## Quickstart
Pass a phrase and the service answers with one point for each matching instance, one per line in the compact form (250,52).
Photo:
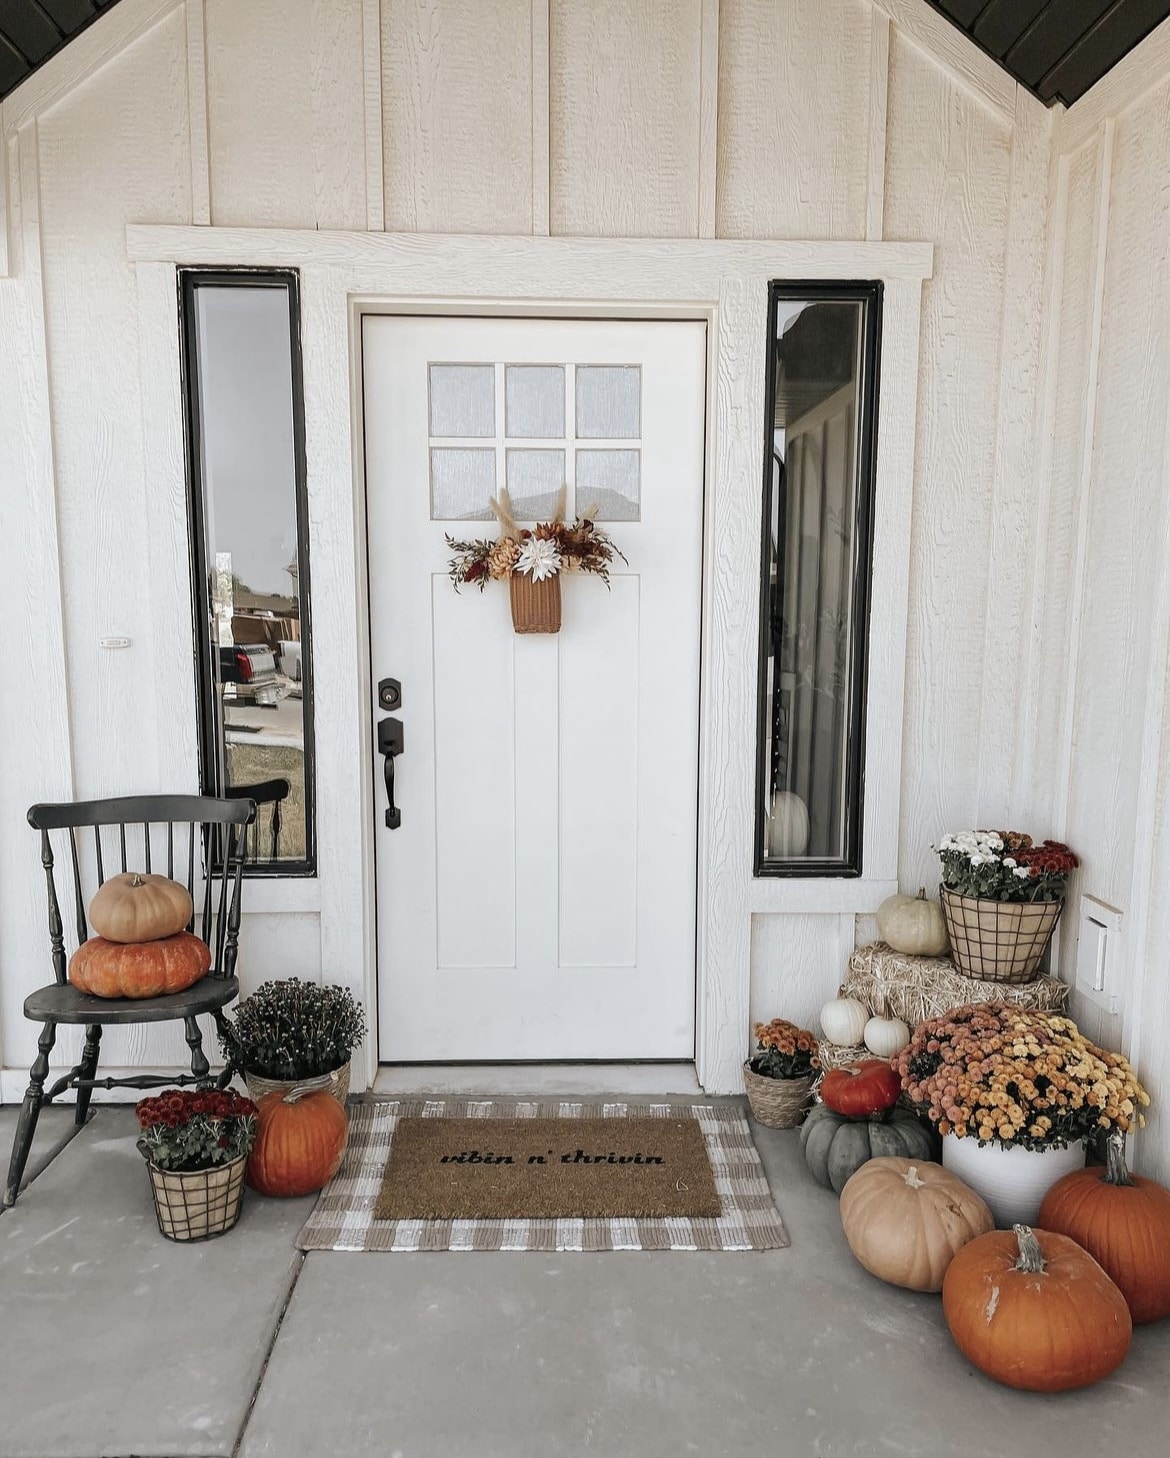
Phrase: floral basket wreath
(532,561)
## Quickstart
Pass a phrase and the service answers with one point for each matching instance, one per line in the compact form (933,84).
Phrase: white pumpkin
(885,1036)
(788,828)
(914,925)
(843,1021)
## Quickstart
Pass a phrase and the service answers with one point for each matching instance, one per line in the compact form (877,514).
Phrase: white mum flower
(1022,872)
(540,558)
(1010,862)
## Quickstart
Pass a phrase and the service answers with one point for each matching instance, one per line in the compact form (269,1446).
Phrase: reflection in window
(817,549)
(245,419)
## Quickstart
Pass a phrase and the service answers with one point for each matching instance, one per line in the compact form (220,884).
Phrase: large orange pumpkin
(139,969)
(300,1139)
(1033,1310)
(139,907)
(1123,1221)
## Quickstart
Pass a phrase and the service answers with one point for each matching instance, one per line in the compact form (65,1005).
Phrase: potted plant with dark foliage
(294,1034)
(779,1078)
(196,1144)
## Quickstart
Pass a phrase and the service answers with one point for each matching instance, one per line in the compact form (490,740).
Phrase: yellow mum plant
(1001,1074)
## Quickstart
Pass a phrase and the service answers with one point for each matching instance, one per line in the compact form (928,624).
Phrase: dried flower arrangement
(784,1051)
(550,548)
(293,1030)
(1014,1077)
(194,1129)
(1004,865)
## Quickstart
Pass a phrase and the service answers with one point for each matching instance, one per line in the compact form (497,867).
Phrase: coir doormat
(503,1174)
(494,1169)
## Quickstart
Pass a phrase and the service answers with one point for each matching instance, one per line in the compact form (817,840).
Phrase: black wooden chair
(205,839)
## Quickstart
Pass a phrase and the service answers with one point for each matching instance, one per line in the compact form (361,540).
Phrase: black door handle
(389,746)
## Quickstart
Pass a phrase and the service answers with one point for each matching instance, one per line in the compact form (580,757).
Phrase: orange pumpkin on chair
(139,969)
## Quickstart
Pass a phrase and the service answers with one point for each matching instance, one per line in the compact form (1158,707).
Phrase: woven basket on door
(336,1082)
(998,941)
(536,606)
(780,1103)
(197,1204)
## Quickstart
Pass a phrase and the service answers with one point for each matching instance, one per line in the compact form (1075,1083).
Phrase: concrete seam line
(298,1266)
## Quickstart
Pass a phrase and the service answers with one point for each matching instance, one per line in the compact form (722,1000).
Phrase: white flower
(976,859)
(1022,872)
(540,558)
(1010,862)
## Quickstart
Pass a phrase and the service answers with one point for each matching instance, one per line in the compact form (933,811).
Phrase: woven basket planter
(536,606)
(779,1103)
(337,1083)
(998,941)
(197,1204)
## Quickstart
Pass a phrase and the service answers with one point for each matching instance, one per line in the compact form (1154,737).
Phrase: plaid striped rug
(343,1218)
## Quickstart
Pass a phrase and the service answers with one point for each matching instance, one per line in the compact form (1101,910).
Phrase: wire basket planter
(998,941)
(778,1103)
(536,606)
(197,1204)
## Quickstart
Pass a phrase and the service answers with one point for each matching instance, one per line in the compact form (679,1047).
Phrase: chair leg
(89,1063)
(199,1064)
(26,1124)
(226,1038)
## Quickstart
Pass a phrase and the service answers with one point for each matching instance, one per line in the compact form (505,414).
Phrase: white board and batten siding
(842,121)
(1098,742)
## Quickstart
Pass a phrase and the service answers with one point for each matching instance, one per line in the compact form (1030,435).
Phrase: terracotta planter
(197,1204)
(536,606)
(1012,1180)
(998,941)
(779,1103)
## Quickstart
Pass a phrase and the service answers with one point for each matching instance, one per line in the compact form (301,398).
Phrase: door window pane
(534,398)
(462,484)
(609,402)
(609,485)
(817,550)
(535,479)
(463,399)
(250,551)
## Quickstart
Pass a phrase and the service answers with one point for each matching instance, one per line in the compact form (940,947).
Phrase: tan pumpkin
(139,907)
(913,925)
(139,969)
(906,1219)
(300,1139)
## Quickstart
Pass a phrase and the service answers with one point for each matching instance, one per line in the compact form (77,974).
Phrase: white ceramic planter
(1013,1181)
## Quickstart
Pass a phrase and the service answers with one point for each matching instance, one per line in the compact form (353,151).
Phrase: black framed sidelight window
(249,552)
(821,421)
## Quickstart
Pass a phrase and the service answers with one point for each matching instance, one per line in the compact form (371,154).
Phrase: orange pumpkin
(139,969)
(1033,1310)
(1123,1221)
(300,1139)
(139,907)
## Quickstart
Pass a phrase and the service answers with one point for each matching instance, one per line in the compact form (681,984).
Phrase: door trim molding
(720,281)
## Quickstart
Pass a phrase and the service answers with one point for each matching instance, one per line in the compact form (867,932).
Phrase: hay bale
(892,984)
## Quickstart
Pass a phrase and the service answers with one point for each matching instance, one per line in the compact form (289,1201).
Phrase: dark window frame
(870,294)
(211,776)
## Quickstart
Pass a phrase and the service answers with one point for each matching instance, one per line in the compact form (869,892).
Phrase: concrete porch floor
(114,1342)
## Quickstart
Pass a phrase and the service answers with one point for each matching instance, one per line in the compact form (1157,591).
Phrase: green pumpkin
(836,1146)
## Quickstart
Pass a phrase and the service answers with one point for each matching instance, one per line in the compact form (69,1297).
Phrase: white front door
(537,900)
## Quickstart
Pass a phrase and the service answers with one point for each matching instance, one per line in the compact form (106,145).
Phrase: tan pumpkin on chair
(139,907)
